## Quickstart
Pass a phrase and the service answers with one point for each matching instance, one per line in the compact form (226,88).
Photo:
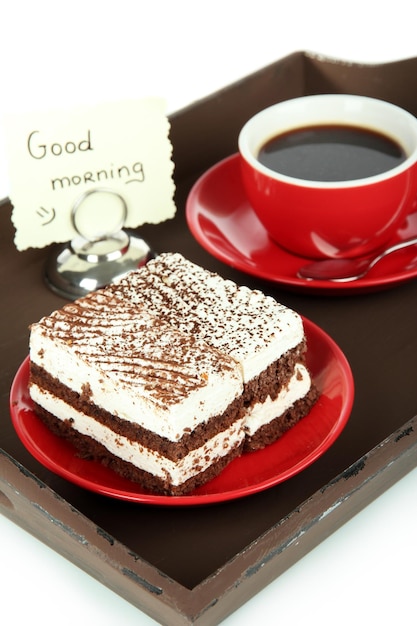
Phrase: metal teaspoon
(348,269)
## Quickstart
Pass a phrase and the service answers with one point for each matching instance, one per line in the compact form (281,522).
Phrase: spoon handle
(394,248)
(345,270)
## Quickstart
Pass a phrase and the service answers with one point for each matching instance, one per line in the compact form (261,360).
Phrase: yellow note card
(57,156)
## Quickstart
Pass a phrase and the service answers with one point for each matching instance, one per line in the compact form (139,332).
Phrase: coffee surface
(331,153)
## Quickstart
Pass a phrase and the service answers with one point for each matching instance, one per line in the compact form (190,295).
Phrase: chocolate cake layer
(272,431)
(90,449)
(274,377)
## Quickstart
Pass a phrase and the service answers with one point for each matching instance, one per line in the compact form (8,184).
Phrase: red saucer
(249,474)
(223,222)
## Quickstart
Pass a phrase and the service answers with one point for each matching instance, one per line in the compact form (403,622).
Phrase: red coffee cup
(359,210)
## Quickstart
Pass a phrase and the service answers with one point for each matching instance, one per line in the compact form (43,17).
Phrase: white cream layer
(147,460)
(130,399)
(264,412)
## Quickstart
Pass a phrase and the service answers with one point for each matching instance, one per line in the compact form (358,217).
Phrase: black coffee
(331,153)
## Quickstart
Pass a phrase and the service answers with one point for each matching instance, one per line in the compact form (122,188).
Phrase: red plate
(250,473)
(223,222)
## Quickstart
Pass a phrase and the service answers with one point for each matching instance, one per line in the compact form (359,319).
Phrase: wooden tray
(197,565)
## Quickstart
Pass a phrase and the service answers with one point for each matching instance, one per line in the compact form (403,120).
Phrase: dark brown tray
(197,565)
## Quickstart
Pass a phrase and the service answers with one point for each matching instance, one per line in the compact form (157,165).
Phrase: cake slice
(158,406)
(265,337)
(170,373)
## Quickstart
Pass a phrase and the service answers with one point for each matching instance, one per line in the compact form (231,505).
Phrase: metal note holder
(101,252)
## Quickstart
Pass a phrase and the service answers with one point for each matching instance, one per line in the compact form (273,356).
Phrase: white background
(63,53)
